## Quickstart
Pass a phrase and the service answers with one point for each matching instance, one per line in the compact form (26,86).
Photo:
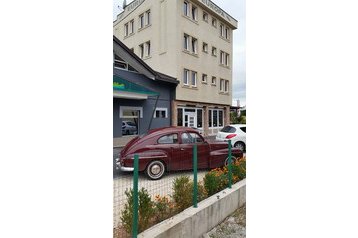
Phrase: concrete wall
(194,222)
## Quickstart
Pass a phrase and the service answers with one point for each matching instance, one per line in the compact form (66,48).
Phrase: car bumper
(122,168)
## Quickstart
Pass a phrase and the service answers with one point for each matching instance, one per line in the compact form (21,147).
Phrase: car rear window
(228,129)
(243,129)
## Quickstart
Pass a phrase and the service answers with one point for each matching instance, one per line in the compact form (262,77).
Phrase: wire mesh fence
(156,200)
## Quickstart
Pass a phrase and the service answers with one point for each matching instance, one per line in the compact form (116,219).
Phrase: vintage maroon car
(171,148)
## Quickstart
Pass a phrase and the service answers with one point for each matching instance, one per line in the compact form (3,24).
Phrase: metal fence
(139,202)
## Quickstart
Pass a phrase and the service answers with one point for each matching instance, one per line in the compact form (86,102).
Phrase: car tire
(155,170)
(233,158)
(240,145)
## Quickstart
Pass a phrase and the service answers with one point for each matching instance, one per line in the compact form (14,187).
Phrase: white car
(236,133)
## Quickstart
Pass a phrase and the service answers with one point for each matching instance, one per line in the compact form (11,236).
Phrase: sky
(237,9)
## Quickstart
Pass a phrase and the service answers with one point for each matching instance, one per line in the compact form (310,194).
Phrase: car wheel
(233,159)
(155,170)
(240,145)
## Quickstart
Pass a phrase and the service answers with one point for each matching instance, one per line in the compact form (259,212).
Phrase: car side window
(168,139)
(243,129)
(196,138)
(185,138)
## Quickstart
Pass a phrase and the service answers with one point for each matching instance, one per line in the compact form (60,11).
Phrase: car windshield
(228,129)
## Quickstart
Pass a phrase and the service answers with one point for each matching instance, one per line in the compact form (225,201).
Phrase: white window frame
(147,49)
(227,59)
(147,17)
(186,42)
(131,26)
(186,76)
(217,119)
(141,21)
(194,12)
(222,31)
(141,51)
(122,108)
(222,85)
(227,33)
(214,51)
(161,109)
(194,45)
(186,8)
(206,19)
(194,78)
(226,86)
(222,57)
(126,29)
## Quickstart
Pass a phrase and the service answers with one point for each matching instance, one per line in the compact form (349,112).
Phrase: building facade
(141,96)
(190,41)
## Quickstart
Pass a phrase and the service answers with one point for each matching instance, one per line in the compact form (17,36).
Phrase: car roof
(238,125)
(170,129)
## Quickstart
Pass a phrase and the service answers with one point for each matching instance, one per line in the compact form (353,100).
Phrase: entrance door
(189,119)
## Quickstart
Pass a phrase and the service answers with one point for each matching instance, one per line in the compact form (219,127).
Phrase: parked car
(171,149)
(129,128)
(236,133)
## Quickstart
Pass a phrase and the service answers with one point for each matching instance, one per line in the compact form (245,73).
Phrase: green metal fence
(147,202)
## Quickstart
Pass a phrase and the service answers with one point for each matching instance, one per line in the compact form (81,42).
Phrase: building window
(180,117)
(199,118)
(222,30)
(205,17)
(161,113)
(126,29)
(205,47)
(131,23)
(148,18)
(221,119)
(194,12)
(147,48)
(222,81)
(204,78)
(193,78)
(226,59)
(227,33)
(141,51)
(186,8)
(213,80)
(216,118)
(213,51)
(141,21)
(186,42)
(186,77)
(222,57)
(194,43)
(214,22)
(226,86)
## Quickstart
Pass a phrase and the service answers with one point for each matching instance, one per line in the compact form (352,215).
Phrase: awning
(125,89)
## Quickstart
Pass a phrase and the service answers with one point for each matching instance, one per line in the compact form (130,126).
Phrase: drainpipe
(151,119)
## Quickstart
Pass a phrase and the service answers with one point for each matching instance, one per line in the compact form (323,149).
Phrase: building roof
(156,75)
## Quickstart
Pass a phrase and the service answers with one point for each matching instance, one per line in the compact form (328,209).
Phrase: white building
(190,41)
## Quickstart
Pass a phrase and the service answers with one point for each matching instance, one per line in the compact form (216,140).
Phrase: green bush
(183,189)
(145,210)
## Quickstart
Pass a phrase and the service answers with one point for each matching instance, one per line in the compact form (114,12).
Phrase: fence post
(229,165)
(135,197)
(195,169)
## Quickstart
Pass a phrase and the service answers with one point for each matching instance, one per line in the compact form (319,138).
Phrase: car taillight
(230,136)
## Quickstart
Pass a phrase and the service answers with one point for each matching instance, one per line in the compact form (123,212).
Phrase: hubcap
(155,169)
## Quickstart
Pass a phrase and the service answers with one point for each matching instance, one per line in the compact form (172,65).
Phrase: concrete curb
(196,222)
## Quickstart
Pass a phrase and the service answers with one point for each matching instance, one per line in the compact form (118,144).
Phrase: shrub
(145,210)
(239,169)
(183,193)
(164,208)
